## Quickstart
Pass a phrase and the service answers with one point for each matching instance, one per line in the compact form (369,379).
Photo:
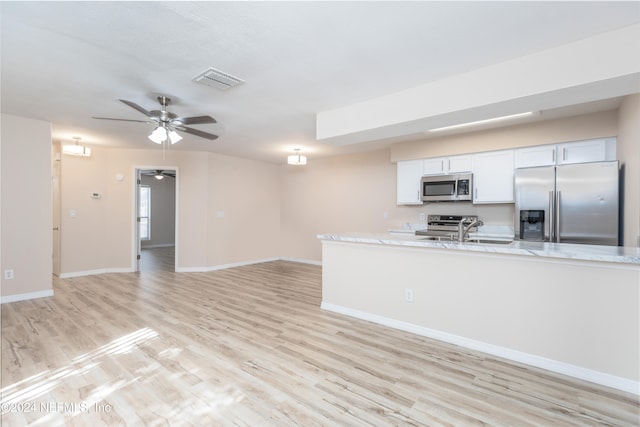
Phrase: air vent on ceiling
(218,79)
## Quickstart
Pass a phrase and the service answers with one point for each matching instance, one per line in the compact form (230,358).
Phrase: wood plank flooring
(249,346)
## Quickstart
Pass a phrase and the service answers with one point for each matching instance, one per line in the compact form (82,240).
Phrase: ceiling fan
(159,173)
(167,123)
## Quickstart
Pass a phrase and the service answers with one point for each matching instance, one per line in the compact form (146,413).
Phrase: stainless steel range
(447,226)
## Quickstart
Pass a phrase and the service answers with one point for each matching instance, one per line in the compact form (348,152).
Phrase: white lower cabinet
(409,174)
(493,177)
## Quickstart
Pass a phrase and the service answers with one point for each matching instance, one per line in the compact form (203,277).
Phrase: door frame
(56,198)
(136,247)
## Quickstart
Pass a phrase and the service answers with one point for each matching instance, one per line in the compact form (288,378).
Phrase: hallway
(158,259)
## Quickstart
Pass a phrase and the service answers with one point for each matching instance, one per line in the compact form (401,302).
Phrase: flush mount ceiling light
(76,149)
(296,159)
(482,122)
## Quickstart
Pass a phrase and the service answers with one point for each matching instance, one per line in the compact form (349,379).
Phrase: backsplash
(498,219)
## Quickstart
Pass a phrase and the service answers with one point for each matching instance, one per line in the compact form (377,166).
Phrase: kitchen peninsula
(572,309)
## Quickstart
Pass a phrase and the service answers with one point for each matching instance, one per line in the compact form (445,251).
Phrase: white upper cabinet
(544,155)
(493,177)
(593,150)
(408,182)
(493,171)
(443,165)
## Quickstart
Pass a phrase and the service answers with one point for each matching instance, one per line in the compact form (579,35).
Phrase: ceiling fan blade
(136,107)
(123,120)
(197,132)
(196,120)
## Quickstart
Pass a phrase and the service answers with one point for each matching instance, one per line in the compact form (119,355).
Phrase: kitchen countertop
(614,254)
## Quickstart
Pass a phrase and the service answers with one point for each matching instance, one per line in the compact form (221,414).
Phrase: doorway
(156,218)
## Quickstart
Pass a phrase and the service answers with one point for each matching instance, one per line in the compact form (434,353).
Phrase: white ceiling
(65,62)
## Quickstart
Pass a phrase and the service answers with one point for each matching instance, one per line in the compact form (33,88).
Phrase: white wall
(26,212)
(100,237)
(348,193)
(243,211)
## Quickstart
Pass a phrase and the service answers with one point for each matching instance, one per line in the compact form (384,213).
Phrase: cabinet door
(453,164)
(493,177)
(434,166)
(545,155)
(594,150)
(408,182)
(457,164)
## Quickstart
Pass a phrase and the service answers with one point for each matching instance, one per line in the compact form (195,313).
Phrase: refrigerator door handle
(558,193)
(552,222)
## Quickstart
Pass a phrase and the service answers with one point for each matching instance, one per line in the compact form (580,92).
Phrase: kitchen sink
(437,238)
(490,241)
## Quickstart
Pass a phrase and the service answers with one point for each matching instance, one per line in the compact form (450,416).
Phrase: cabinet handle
(553,155)
(564,154)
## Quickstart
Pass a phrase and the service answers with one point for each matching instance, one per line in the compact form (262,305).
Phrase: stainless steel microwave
(447,188)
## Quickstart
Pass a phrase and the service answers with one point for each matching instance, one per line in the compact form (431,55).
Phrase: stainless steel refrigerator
(576,203)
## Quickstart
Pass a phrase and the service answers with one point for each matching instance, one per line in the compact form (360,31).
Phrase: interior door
(137,221)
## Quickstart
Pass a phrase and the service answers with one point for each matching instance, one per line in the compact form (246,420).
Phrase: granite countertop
(614,254)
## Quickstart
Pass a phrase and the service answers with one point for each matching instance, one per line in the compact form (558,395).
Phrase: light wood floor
(249,346)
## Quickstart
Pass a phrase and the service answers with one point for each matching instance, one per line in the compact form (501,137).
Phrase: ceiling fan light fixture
(297,159)
(159,135)
(173,136)
(159,177)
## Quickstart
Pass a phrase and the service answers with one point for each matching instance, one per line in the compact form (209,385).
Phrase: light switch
(73,213)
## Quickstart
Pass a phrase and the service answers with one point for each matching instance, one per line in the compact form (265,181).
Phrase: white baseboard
(563,368)
(223,266)
(159,245)
(97,271)
(189,269)
(27,296)
(302,261)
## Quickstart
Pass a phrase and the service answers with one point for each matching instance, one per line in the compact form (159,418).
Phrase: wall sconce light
(297,159)
(76,149)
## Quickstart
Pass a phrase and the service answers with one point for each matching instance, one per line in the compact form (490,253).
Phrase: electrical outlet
(408,295)
(8,274)
(423,217)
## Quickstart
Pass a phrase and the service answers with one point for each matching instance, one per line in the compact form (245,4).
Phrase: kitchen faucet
(463,231)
